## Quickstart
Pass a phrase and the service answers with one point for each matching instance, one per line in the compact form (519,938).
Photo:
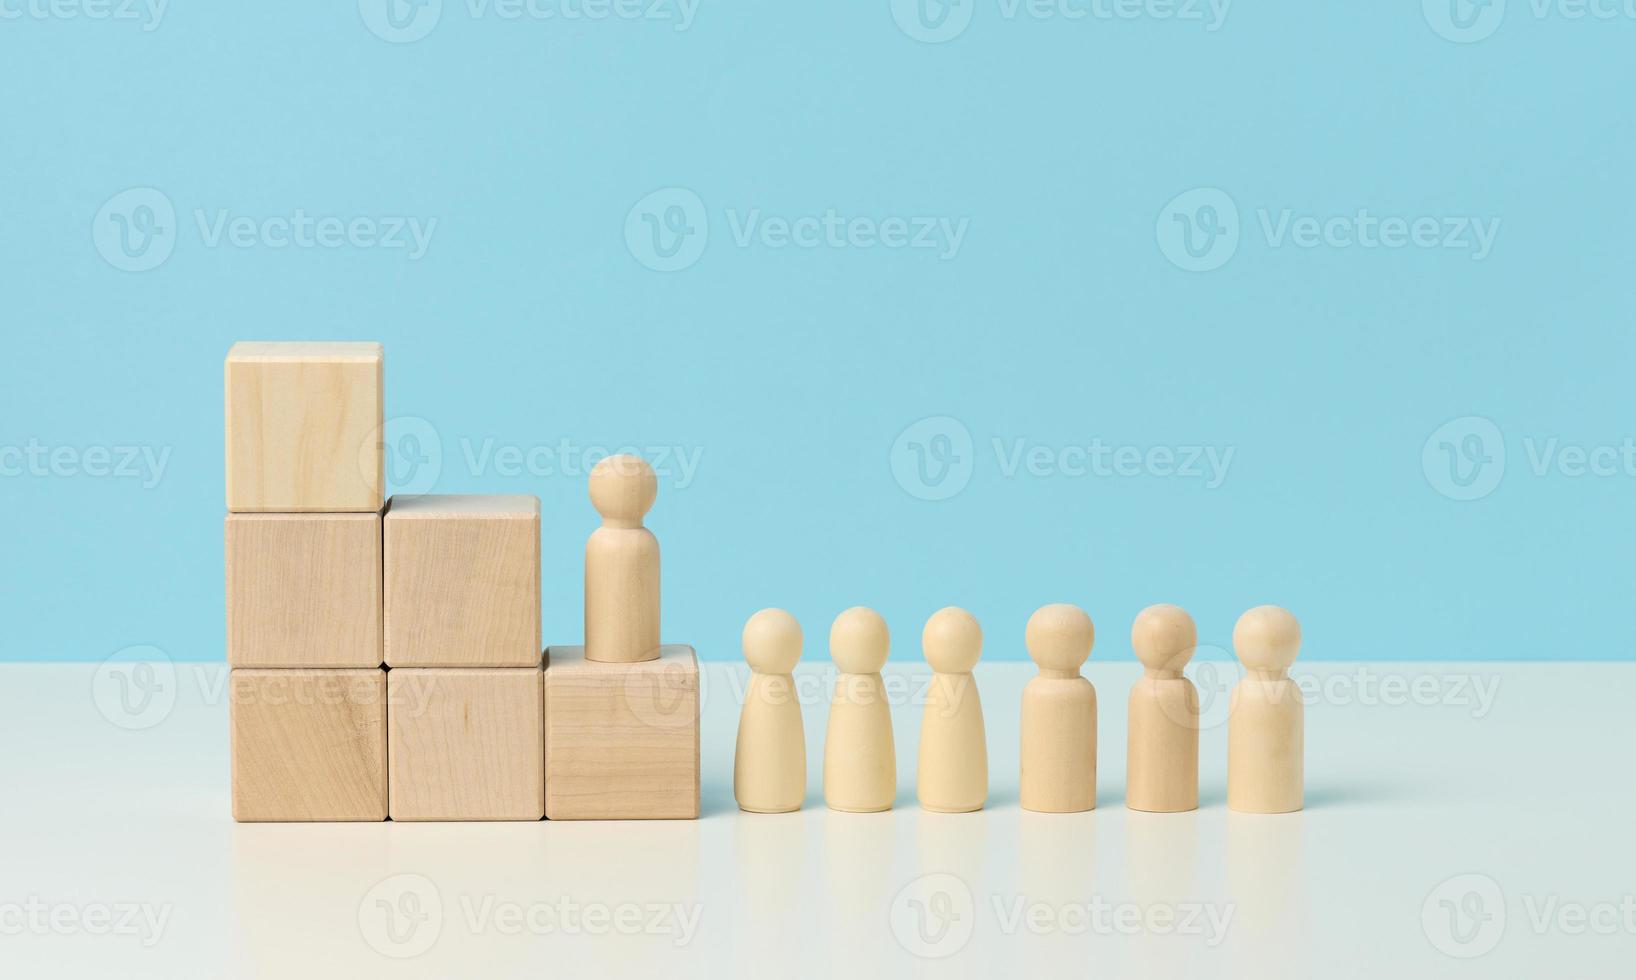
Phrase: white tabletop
(1462,820)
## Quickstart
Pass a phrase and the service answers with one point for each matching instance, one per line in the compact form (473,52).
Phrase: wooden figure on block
(304,427)
(770,757)
(622,740)
(953,772)
(463,581)
(1265,724)
(860,760)
(1162,761)
(304,590)
(308,744)
(1059,714)
(466,743)
(622,565)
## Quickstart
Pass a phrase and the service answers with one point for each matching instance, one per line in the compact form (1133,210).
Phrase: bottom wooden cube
(308,744)
(622,740)
(466,743)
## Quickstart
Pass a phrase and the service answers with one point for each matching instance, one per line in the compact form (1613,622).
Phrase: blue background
(793,371)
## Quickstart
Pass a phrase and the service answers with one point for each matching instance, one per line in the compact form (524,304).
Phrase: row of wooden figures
(1058,775)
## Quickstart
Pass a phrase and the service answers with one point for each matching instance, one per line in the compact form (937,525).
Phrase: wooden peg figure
(1265,725)
(1059,714)
(953,772)
(860,761)
(622,565)
(1162,761)
(770,758)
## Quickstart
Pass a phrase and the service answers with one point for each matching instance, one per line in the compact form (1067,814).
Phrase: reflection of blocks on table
(304,590)
(622,740)
(463,581)
(304,427)
(466,744)
(308,744)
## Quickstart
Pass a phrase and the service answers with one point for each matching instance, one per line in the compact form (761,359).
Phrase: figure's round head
(1267,638)
(952,640)
(623,488)
(1060,636)
(772,641)
(859,641)
(1164,637)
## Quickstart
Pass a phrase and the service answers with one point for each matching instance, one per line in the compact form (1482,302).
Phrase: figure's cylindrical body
(1058,745)
(622,595)
(770,757)
(860,761)
(1162,759)
(1265,746)
(953,773)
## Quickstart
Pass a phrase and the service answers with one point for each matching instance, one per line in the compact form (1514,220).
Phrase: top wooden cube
(304,427)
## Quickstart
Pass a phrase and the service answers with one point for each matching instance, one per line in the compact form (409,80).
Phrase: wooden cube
(308,744)
(621,740)
(304,590)
(466,744)
(304,427)
(463,581)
